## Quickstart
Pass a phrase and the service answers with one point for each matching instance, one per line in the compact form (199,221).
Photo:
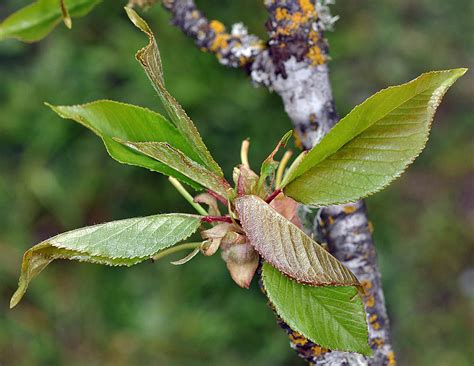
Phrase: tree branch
(294,65)
(234,49)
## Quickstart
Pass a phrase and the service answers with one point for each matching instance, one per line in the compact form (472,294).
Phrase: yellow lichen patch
(370,226)
(307,7)
(291,22)
(331,220)
(217,26)
(298,142)
(195,14)
(378,342)
(298,339)
(370,302)
(391,359)
(313,36)
(316,56)
(349,209)
(318,350)
(281,13)
(366,284)
(373,322)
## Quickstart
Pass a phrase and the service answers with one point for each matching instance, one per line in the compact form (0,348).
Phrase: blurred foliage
(56,176)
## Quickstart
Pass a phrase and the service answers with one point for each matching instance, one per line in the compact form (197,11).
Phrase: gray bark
(293,63)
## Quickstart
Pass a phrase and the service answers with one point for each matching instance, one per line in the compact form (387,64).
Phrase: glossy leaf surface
(116,243)
(332,317)
(109,120)
(35,21)
(372,145)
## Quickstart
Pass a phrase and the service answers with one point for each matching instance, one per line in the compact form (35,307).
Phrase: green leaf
(150,59)
(174,158)
(332,317)
(269,165)
(35,21)
(116,243)
(288,248)
(108,120)
(372,145)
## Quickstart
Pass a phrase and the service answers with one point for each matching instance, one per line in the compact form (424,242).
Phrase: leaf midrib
(324,157)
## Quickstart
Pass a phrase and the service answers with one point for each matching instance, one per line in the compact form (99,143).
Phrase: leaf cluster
(311,290)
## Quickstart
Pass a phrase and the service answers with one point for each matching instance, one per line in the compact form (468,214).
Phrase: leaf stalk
(176,248)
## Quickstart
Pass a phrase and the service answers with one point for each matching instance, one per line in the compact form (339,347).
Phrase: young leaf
(116,243)
(332,317)
(150,59)
(372,145)
(174,158)
(109,119)
(288,248)
(35,21)
(269,165)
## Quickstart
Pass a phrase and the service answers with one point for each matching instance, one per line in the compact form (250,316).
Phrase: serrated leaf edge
(293,324)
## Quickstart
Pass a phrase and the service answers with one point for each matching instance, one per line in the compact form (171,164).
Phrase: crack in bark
(293,63)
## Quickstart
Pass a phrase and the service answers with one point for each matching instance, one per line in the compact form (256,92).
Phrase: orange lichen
(307,7)
(293,22)
(370,301)
(318,350)
(331,220)
(391,359)
(313,36)
(221,39)
(298,142)
(349,209)
(378,342)
(373,322)
(366,284)
(370,226)
(217,26)
(297,339)
(281,13)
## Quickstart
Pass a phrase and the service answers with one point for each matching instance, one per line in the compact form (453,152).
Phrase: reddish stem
(271,197)
(218,197)
(216,218)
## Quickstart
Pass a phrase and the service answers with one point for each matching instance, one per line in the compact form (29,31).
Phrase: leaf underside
(116,243)
(109,120)
(174,158)
(332,317)
(288,248)
(149,58)
(35,21)
(372,145)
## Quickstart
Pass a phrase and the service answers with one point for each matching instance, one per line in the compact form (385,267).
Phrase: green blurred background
(56,176)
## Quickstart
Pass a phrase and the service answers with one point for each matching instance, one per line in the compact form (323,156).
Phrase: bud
(214,237)
(245,180)
(241,258)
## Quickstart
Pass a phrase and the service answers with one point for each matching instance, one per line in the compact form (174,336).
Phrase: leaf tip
(17,296)
(68,22)
(56,109)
